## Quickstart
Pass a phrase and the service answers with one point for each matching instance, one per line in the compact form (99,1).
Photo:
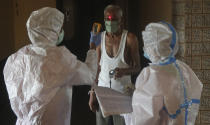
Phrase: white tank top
(107,63)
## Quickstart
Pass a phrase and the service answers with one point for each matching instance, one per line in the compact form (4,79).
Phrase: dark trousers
(110,120)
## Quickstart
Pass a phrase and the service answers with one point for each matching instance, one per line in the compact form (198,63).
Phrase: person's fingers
(116,69)
(117,73)
(90,105)
(93,107)
(93,103)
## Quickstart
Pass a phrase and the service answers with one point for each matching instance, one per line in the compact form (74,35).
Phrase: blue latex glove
(95,38)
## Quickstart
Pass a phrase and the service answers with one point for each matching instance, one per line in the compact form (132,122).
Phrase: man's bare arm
(134,68)
(93,103)
(98,51)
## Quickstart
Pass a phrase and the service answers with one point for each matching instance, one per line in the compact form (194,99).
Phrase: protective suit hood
(44,26)
(160,42)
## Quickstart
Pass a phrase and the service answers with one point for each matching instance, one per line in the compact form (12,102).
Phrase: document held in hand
(112,102)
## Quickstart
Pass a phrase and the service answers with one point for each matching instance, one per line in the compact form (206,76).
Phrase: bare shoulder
(132,39)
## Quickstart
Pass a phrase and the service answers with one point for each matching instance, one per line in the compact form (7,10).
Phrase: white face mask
(60,37)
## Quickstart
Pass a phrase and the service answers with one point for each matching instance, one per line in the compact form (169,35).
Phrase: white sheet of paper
(112,102)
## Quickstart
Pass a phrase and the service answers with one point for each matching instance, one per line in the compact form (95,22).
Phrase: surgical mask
(146,55)
(111,26)
(60,37)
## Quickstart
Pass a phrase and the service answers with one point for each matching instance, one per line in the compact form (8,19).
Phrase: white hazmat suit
(167,91)
(39,76)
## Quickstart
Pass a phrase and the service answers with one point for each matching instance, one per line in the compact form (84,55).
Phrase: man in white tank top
(119,52)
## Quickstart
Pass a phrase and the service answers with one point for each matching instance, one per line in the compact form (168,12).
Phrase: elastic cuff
(91,91)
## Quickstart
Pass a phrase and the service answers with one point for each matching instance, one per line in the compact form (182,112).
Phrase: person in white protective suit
(167,91)
(39,76)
